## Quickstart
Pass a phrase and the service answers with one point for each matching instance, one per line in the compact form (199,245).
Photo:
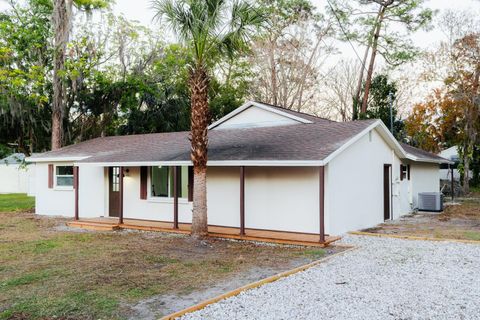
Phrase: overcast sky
(140,10)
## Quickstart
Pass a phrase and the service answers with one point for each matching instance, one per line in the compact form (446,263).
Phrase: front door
(114,191)
(387,191)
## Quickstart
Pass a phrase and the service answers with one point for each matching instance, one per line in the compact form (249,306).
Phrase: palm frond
(210,26)
(245,19)
(176,16)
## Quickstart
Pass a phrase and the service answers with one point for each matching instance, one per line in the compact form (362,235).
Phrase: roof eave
(210,163)
(56,159)
(426,160)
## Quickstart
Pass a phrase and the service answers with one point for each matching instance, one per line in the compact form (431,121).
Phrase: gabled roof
(312,144)
(302,115)
(298,117)
(302,140)
(420,155)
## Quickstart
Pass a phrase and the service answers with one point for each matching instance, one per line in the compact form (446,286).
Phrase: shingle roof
(15,158)
(422,154)
(293,142)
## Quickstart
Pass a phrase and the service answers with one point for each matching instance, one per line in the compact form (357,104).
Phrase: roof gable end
(254,114)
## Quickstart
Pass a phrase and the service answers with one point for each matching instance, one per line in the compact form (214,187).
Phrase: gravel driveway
(383,279)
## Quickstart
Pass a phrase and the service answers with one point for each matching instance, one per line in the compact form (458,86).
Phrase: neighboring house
(446,169)
(268,169)
(15,176)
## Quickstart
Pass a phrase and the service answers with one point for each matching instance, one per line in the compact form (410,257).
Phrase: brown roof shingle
(293,142)
(422,154)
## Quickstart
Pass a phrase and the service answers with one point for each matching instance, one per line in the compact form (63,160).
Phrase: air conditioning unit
(430,201)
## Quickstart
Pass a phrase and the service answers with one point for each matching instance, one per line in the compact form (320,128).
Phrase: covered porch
(130,186)
(270,236)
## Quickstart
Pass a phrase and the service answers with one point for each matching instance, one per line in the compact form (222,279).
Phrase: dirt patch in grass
(48,271)
(457,221)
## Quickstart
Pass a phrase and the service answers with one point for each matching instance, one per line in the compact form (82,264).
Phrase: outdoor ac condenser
(430,201)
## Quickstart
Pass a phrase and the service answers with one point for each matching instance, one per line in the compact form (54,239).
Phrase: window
(161,182)
(115,179)
(64,176)
(404,174)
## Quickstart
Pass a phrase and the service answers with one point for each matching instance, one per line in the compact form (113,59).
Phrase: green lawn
(16,202)
(47,272)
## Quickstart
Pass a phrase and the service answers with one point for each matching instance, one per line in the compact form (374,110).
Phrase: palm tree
(209,28)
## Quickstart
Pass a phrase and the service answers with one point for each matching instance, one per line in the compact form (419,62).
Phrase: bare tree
(339,89)
(286,59)
(376,24)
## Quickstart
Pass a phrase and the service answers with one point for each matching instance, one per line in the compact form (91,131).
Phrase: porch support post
(75,186)
(242,200)
(120,206)
(322,203)
(452,183)
(175,197)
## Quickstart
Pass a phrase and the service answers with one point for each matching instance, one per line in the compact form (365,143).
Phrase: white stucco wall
(152,208)
(255,117)
(31,184)
(55,201)
(425,178)
(354,190)
(276,198)
(91,192)
(14,179)
(223,200)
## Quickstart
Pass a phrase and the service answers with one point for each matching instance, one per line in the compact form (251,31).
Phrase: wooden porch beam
(452,184)
(120,206)
(75,187)
(242,200)
(322,203)
(175,197)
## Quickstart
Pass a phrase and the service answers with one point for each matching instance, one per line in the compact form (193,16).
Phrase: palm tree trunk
(198,82)
(61,22)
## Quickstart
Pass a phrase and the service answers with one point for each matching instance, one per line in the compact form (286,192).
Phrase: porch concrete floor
(293,238)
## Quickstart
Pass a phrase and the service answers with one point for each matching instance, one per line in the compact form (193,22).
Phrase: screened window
(64,176)
(161,182)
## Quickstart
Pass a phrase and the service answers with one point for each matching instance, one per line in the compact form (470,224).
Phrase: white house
(269,169)
(15,176)
(446,170)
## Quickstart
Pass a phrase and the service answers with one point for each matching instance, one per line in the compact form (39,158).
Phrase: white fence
(17,179)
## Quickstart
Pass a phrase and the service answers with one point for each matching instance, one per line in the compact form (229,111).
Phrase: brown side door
(386,191)
(113,191)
